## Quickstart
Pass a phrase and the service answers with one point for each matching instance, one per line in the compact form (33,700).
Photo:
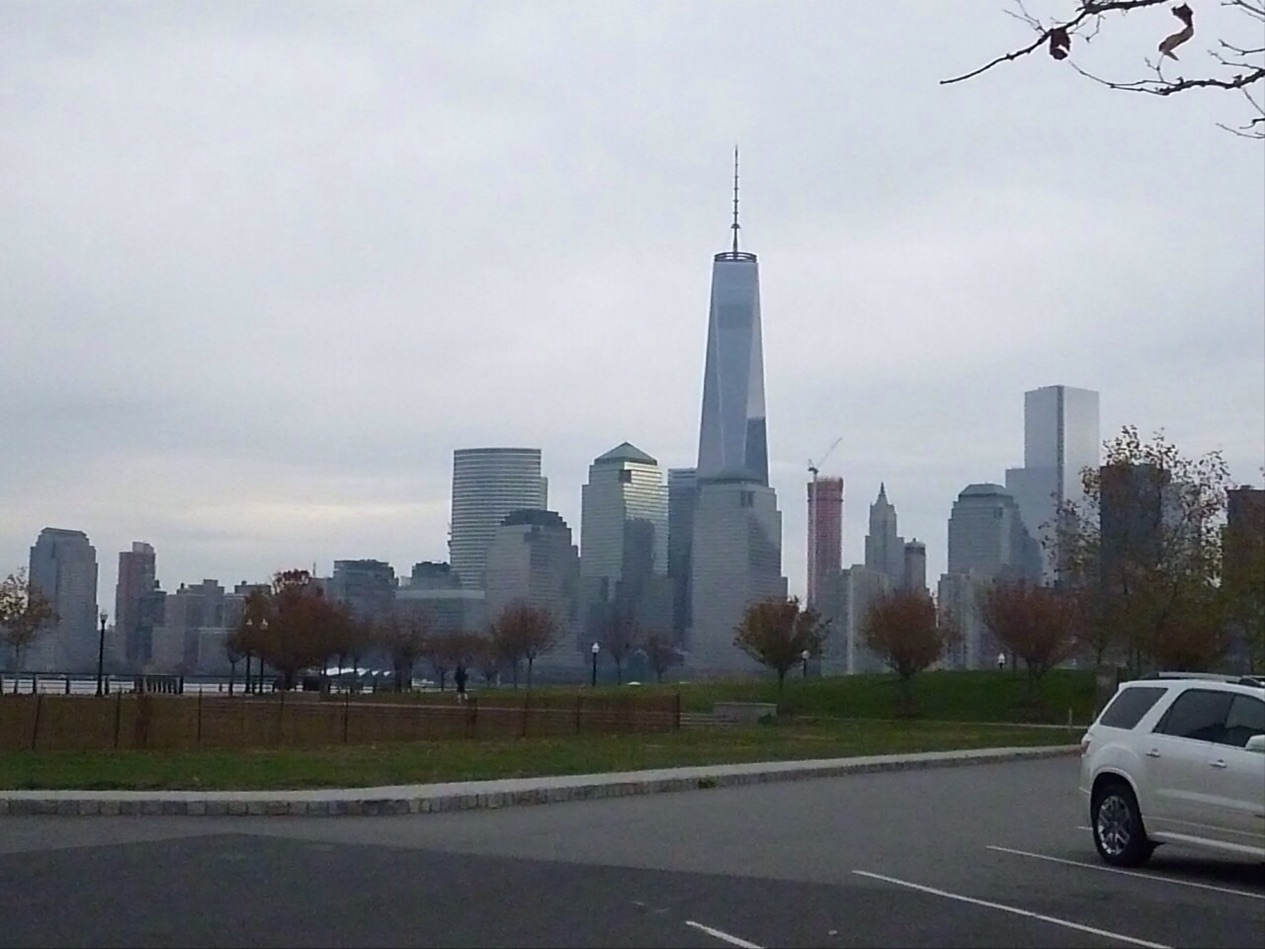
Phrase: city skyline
(441,244)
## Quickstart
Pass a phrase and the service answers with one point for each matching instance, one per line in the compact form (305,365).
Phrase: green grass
(950,696)
(456,760)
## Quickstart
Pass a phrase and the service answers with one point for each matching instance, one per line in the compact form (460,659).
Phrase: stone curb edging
(432,799)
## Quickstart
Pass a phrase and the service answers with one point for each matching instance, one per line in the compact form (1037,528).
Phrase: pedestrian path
(470,795)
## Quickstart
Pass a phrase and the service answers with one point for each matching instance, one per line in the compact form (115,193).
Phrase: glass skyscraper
(1060,440)
(488,484)
(733,439)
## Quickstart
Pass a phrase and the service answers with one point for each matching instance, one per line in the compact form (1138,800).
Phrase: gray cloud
(263,267)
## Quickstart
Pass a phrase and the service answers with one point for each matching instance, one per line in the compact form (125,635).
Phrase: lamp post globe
(595,649)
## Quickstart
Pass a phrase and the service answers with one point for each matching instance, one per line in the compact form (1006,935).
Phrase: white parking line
(1014,909)
(1131,873)
(722,936)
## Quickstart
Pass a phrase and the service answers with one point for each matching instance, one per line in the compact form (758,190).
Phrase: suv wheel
(1117,823)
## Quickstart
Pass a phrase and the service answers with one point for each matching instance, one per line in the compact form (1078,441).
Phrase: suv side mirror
(1256,743)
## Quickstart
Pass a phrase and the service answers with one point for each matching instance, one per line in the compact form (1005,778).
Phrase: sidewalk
(469,795)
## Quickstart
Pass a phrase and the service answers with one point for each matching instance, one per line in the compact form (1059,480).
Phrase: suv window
(1245,718)
(1198,714)
(1129,705)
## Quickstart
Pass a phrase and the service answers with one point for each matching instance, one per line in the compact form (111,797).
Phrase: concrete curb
(472,795)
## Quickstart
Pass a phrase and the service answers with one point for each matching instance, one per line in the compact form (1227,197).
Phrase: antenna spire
(735,227)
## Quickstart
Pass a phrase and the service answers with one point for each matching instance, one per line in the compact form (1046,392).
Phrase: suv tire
(1119,833)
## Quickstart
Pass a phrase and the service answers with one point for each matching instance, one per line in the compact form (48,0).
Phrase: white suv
(1177,758)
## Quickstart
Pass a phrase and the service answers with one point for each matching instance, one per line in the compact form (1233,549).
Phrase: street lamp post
(1001,661)
(101,654)
(595,649)
(263,632)
(804,658)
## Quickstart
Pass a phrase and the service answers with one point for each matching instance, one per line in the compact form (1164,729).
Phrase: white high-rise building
(624,540)
(1060,440)
(63,568)
(487,485)
(847,598)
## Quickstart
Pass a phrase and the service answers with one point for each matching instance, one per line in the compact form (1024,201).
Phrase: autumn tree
(526,631)
(776,632)
(1235,62)
(297,634)
(906,631)
(24,614)
(1039,624)
(661,652)
(1143,546)
(402,635)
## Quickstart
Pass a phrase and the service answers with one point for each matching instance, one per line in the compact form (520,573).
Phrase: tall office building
(532,560)
(682,499)
(736,542)
(884,550)
(1135,506)
(733,437)
(846,599)
(137,577)
(1060,440)
(825,534)
(63,568)
(624,541)
(987,535)
(487,485)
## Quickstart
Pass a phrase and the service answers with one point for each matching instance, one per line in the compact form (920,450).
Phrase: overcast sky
(264,266)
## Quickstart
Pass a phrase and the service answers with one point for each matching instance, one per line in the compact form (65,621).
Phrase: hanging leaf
(1060,42)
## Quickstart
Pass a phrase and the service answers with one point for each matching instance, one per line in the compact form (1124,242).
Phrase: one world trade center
(732,438)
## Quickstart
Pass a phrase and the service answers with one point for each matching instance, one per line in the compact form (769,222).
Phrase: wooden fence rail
(157,721)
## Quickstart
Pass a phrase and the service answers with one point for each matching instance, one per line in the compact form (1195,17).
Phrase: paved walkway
(467,795)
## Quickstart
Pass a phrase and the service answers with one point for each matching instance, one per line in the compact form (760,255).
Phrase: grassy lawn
(950,696)
(425,762)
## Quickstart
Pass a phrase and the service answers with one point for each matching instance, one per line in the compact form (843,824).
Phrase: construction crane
(814,469)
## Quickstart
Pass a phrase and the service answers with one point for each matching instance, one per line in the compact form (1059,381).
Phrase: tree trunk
(530,661)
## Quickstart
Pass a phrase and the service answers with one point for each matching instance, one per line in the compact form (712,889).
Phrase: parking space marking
(1067,923)
(1131,873)
(722,936)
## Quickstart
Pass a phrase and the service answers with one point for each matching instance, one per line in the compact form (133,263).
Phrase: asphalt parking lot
(985,855)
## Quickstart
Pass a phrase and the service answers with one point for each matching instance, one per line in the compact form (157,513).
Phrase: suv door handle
(1219,763)
(1152,753)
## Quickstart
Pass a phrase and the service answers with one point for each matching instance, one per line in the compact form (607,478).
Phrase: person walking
(460,677)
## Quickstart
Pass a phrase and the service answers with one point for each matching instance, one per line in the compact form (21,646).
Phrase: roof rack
(1257,681)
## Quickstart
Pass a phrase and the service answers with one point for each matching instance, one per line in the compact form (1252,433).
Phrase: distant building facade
(487,485)
(737,560)
(63,567)
(825,534)
(987,535)
(884,549)
(624,543)
(532,560)
(366,587)
(682,500)
(137,577)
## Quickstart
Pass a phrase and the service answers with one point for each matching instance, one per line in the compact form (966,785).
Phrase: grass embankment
(456,760)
